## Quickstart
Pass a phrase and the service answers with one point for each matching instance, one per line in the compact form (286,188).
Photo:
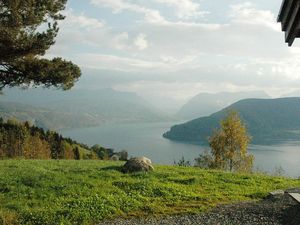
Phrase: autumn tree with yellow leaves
(229,146)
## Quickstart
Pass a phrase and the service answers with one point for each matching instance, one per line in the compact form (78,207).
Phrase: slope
(205,104)
(267,120)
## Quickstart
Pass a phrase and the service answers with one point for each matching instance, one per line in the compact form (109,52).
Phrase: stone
(275,194)
(115,157)
(138,164)
(295,196)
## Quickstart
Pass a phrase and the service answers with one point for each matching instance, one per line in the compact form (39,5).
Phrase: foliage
(86,192)
(123,155)
(101,152)
(106,153)
(205,161)
(76,153)
(28,28)
(21,140)
(229,146)
(182,162)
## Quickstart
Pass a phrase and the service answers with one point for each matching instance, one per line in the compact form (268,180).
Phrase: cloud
(154,16)
(80,21)
(120,41)
(74,29)
(102,61)
(118,6)
(247,14)
(141,42)
(184,9)
(123,41)
(163,49)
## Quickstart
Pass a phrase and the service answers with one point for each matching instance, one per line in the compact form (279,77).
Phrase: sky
(167,51)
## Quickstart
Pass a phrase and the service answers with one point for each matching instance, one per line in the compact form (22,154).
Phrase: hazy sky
(174,49)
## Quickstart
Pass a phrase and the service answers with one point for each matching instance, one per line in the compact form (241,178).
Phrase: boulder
(137,164)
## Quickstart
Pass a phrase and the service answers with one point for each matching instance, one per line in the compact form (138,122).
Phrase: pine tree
(27,29)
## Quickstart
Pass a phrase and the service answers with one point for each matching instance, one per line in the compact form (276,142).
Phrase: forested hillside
(21,140)
(267,120)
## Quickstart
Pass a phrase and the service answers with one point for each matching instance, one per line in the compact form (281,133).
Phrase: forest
(21,140)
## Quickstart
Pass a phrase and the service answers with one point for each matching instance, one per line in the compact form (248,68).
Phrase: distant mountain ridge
(267,120)
(43,117)
(205,104)
(77,108)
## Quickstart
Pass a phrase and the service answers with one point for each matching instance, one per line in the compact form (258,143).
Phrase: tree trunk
(230,165)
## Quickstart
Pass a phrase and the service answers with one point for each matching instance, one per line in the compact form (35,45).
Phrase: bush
(182,162)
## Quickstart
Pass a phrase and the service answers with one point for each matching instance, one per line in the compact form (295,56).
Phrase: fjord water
(145,139)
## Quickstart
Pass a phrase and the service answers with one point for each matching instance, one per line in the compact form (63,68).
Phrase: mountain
(205,104)
(267,120)
(295,93)
(43,117)
(77,108)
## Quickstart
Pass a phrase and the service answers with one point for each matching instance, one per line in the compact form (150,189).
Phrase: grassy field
(86,192)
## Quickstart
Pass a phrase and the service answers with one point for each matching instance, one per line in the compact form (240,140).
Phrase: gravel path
(281,210)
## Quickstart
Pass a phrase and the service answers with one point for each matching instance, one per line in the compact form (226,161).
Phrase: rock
(275,194)
(115,157)
(295,196)
(138,164)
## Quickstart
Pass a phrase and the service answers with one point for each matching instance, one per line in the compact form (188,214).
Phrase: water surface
(145,139)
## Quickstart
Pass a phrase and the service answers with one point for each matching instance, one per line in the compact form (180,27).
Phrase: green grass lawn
(86,192)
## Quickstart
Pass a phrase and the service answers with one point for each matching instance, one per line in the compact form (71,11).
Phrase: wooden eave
(289,17)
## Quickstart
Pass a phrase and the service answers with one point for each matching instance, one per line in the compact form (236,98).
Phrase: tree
(102,153)
(27,29)
(229,146)
(76,153)
(205,161)
(123,155)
